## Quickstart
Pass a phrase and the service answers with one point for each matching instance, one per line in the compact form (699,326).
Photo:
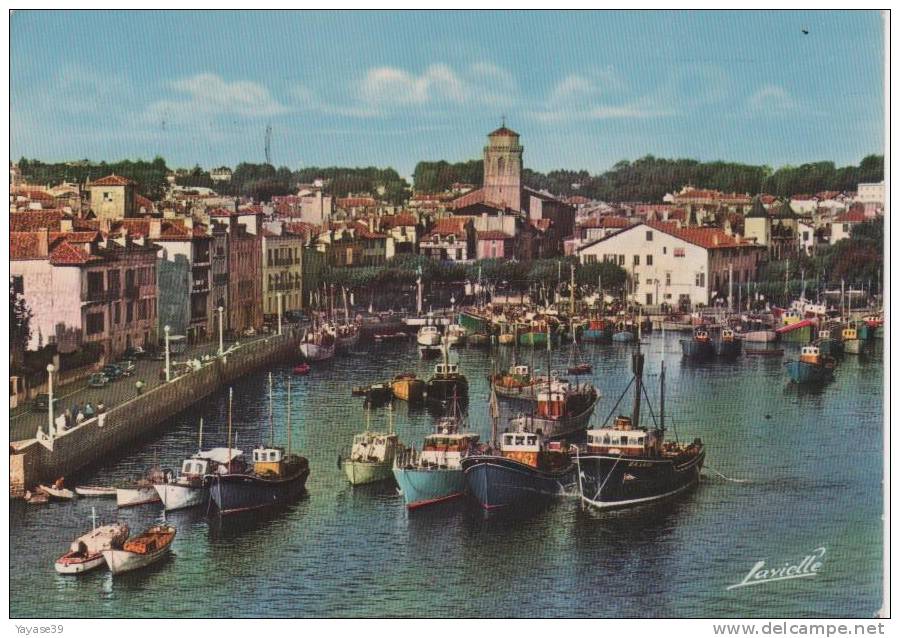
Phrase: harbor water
(805,468)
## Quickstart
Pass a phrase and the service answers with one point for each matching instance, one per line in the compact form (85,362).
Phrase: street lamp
(168,375)
(279,313)
(50,371)
(221,344)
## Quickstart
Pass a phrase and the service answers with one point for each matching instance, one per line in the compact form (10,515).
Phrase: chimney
(43,242)
(155,228)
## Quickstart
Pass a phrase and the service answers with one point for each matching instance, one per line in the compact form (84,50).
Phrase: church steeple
(503,168)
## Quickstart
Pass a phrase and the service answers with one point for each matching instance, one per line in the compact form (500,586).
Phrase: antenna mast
(269,144)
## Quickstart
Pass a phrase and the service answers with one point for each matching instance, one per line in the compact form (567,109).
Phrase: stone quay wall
(40,461)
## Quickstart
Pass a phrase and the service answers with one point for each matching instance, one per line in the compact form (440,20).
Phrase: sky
(584,89)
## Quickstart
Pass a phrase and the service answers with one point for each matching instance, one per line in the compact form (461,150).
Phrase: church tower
(503,169)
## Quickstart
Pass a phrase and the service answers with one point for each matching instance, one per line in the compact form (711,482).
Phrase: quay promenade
(43,457)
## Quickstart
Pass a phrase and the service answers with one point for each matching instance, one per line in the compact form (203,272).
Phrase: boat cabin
(825,335)
(622,439)
(849,334)
(727,334)
(523,447)
(268,460)
(703,335)
(446,369)
(810,354)
(446,448)
(519,371)
(373,447)
(551,402)
(429,330)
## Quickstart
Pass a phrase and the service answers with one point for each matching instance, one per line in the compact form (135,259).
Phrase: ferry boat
(276,477)
(699,346)
(517,383)
(727,345)
(525,470)
(850,338)
(408,387)
(435,474)
(812,367)
(318,345)
(628,465)
(141,550)
(447,382)
(86,551)
(561,409)
(371,457)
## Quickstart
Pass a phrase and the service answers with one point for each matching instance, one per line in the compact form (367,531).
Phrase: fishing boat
(517,383)
(318,345)
(456,335)
(346,335)
(628,464)
(759,336)
(408,387)
(141,491)
(537,334)
(435,474)
(428,336)
(561,409)
(577,367)
(141,550)
(850,338)
(506,339)
(302,369)
(727,344)
(479,339)
(596,331)
(371,457)
(447,382)
(276,477)
(811,367)
(379,394)
(828,345)
(191,487)
(95,491)
(86,551)
(699,346)
(623,333)
(522,468)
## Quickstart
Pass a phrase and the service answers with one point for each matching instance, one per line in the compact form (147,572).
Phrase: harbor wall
(43,460)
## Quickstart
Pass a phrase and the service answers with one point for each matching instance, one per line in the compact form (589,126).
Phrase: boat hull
(131,497)
(623,336)
(233,493)
(853,346)
(498,482)
(614,482)
(698,350)
(362,472)
(760,336)
(95,492)
(595,336)
(802,372)
(831,347)
(120,561)
(347,342)
(421,487)
(176,497)
(71,565)
(316,352)
(412,390)
(728,349)
(441,390)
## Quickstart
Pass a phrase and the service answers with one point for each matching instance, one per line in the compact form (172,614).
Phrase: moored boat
(447,383)
(318,345)
(760,336)
(456,335)
(95,491)
(141,550)
(629,465)
(371,457)
(56,492)
(517,383)
(699,346)
(811,367)
(727,344)
(561,409)
(86,551)
(850,339)
(191,487)
(302,369)
(428,336)
(141,491)
(408,387)
(828,345)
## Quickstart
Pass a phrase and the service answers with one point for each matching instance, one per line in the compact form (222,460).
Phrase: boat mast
(495,417)
(572,294)
(637,365)
(346,308)
(390,411)
(271,418)
(289,428)
(230,396)
(200,438)
(662,396)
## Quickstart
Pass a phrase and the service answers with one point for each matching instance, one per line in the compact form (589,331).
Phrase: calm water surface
(811,460)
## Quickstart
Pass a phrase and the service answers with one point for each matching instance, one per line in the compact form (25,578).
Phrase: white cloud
(576,97)
(771,99)
(207,94)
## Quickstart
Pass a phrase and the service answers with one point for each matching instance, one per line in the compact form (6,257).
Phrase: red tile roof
(400,219)
(142,202)
(503,131)
(608,221)
(24,245)
(450,226)
(34,194)
(302,228)
(708,238)
(355,202)
(35,220)
(65,254)
(113,180)
(851,217)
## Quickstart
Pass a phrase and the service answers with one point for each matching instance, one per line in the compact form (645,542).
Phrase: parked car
(135,352)
(98,380)
(112,371)
(41,403)
(158,355)
(127,367)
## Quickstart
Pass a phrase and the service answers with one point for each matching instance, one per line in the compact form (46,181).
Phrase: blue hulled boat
(811,367)
(698,347)
(435,474)
(828,345)
(727,345)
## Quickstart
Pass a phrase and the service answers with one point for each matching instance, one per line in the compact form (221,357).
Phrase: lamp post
(221,343)
(279,313)
(50,371)
(168,374)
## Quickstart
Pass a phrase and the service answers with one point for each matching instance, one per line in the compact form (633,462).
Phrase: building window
(621,260)
(649,235)
(649,260)
(700,280)
(668,279)
(129,312)
(18,284)
(95,323)
(637,260)
(678,252)
(664,250)
(117,313)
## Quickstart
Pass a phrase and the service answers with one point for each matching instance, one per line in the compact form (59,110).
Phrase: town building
(221,174)
(451,239)
(113,197)
(681,267)
(282,270)
(842,225)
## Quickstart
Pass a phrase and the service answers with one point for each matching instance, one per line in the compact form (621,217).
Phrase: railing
(284,261)
(100,296)
(284,287)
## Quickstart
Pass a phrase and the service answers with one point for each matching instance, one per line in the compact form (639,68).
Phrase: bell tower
(503,168)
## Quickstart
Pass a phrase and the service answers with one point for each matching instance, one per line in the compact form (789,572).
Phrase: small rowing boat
(86,551)
(95,491)
(302,369)
(141,550)
(57,493)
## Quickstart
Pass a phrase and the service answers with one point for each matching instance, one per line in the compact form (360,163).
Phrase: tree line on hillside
(150,176)
(649,178)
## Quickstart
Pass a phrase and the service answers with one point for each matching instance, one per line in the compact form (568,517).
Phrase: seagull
(805,31)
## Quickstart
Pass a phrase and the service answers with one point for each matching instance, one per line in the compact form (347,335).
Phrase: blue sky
(584,90)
